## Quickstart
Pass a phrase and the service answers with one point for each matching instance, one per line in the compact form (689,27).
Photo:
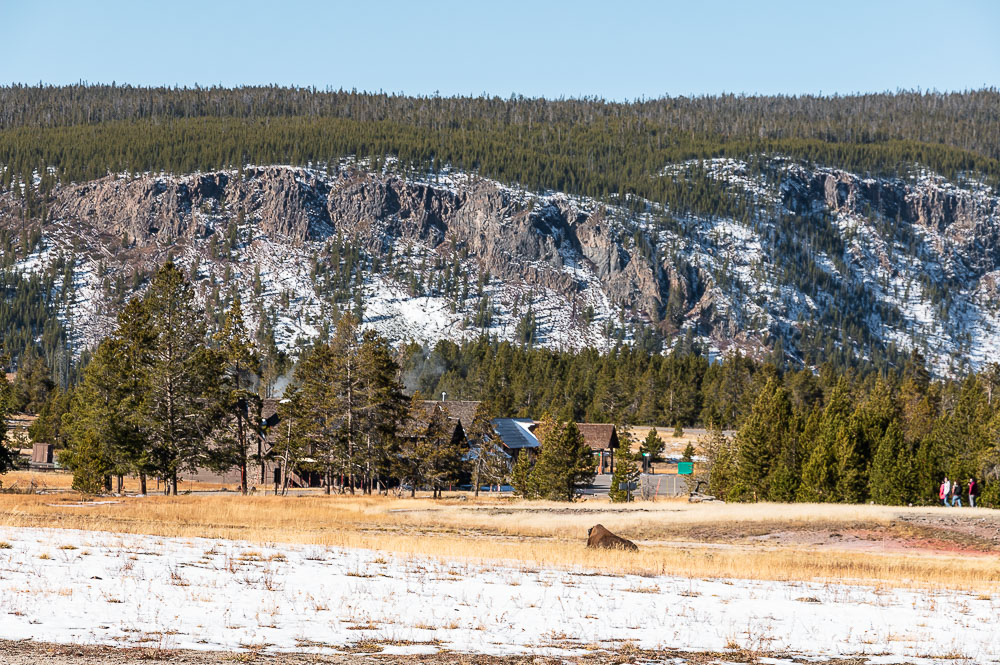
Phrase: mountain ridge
(860,261)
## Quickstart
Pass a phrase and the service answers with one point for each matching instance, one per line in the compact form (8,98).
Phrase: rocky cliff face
(511,236)
(910,263)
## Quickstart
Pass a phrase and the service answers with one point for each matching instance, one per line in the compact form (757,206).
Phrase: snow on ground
(102,588)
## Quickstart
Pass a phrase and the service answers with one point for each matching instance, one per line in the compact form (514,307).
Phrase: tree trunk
(142,484)
(173,483)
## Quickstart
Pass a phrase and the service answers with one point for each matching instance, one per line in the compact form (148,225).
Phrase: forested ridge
(584,146)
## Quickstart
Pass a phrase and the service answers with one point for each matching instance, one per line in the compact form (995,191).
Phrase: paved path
(661,485)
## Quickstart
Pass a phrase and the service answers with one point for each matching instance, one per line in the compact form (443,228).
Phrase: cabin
(42,457)
(462,411)
(458,419)
(518,434)
(255,474)
(602,438)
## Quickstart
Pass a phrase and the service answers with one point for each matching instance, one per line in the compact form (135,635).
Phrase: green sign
(685,468)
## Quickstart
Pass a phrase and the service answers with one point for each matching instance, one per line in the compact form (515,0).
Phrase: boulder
(599,537)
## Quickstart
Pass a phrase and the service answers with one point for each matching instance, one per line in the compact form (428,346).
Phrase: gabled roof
(464,411)
(269,412)
(515,433)
(426,412)
(599,436)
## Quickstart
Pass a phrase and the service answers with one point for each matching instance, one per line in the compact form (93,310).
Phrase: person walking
(956,494)
(973,492)
(945,490)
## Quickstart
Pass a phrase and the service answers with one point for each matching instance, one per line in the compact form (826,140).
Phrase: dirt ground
(945,531)
(33,653)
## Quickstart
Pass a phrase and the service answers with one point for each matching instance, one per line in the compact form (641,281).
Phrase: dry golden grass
(696,540)
(62,480)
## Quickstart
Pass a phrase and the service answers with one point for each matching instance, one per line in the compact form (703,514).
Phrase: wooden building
(602,438)
(518,434)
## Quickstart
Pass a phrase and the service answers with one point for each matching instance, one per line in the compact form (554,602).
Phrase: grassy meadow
(746,541)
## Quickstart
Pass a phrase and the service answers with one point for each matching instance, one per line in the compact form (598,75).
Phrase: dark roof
(269,412)
(599,436)
(464,411)
(516,433)
(427,409)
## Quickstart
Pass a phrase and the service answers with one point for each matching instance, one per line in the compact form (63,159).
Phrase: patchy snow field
(90,587)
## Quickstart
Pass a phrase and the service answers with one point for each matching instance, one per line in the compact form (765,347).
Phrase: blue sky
(615,50)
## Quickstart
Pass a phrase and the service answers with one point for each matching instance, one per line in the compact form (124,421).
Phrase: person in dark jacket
(973,492)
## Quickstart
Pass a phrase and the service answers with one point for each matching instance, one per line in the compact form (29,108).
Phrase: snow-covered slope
(815,258)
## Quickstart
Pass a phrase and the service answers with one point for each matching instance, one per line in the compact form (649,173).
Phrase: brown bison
(598,536)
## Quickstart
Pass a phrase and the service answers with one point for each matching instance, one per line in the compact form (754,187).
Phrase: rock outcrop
(535,242)
(820,253)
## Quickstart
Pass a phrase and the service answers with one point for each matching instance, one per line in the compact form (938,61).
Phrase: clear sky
(615,50)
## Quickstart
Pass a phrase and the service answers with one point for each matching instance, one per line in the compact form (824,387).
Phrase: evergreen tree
(312,411)
(820,471)
(347,399)
(720,454)
(626,471)
(488,459)
(8,457)
(565,463)
(766,442)
(441,453)
(236,442)
(93,425)
(383,406)
(184,378)
(892,480)
(521,476)
(652,446)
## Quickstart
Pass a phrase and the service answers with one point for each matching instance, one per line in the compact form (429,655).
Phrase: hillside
(805,229)
(818,262)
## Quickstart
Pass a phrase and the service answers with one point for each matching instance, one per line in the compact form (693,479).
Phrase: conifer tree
(184,377)
(892,480)
(764,441)
(92,425)
(652,446)
(383,407)
(720,454)
(346,399)
(315,420)
(565,463)
(521,476)
(820,471)
(626,471)
(856,443)
(240,440)
(440,451)
(488,458)
(8,457)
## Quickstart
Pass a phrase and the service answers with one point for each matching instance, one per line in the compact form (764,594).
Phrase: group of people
(951,492)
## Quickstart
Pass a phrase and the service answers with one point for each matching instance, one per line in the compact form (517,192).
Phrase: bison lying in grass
(599,537)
